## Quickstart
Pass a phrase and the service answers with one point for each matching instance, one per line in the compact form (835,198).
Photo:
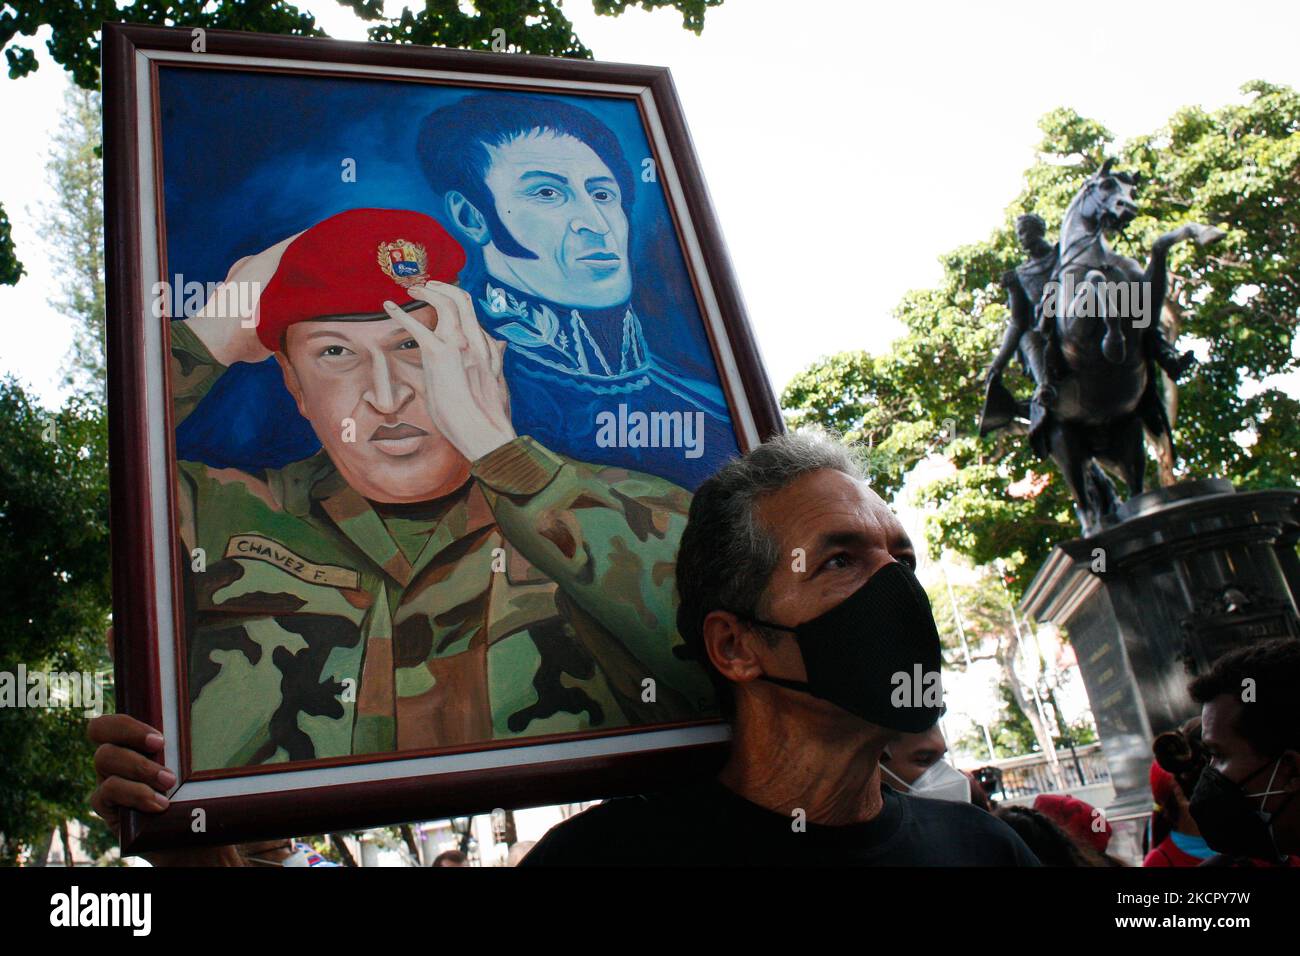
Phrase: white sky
(858,142)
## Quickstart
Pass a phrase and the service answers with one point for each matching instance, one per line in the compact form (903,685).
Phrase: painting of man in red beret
(430,579)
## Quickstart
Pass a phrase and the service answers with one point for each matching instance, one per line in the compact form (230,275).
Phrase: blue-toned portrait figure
(543,193)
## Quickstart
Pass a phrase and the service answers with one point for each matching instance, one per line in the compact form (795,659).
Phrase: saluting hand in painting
(464,387)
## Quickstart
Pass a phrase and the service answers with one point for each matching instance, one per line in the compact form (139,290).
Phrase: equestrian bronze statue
(1085,322)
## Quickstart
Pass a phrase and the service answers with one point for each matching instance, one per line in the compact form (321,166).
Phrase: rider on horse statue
(1092,360)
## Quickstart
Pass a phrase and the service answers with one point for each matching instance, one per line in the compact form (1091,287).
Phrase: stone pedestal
(1181,575)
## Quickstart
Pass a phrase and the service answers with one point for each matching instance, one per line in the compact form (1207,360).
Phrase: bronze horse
(1100,322)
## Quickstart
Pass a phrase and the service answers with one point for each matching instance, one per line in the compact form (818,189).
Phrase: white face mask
(941,781)
(296,858)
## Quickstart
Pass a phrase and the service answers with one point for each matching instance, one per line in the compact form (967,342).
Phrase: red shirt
(1166,853)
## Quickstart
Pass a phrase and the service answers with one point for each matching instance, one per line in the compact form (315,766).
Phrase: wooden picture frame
(277,793)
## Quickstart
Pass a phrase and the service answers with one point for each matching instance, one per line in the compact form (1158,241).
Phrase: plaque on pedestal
(1179,576)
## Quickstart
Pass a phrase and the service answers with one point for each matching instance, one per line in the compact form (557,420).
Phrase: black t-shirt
(709,825)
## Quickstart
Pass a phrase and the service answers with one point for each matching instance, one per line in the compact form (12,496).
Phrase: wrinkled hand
(465,388)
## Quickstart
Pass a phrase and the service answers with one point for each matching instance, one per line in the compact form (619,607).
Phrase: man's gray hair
(727,556)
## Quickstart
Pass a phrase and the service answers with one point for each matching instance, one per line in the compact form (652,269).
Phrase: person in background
(914,764)
(1179,759)
(127,778)
(990,780)
(978,795)
(1080,819)
(1180,842)
(1049,842)
(1244,802)
(450,858)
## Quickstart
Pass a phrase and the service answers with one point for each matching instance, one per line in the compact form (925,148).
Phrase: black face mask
(1229,819)
(876,654)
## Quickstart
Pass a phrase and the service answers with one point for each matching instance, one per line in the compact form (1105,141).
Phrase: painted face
(560,201)
(361,386)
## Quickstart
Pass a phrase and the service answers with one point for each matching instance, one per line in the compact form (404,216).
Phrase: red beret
(1075,817)
(344,267)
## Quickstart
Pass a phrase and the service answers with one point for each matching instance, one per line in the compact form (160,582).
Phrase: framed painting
(415,359)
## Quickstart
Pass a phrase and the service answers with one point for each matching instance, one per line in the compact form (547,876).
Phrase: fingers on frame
(123,730)
(113,761)
(116,792)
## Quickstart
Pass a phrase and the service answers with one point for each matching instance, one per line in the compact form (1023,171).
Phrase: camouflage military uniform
(534,600)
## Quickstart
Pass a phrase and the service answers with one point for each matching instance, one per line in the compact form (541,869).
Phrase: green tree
(54,601)
(527,26)
(1237,167)
(47,760)
(992,633)
(73,227)
(1011,732)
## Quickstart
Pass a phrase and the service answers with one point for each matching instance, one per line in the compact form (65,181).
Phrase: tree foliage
(527,26)
(54,601)
(1237,167)
(1013,736)
(991,633)
(73,228)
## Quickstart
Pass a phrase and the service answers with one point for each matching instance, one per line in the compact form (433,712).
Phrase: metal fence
(1031,774)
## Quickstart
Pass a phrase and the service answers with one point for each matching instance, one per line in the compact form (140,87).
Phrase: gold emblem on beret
(404,262)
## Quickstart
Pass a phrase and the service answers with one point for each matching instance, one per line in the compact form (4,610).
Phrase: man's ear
(467,219)
(291,381)
(730,646)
